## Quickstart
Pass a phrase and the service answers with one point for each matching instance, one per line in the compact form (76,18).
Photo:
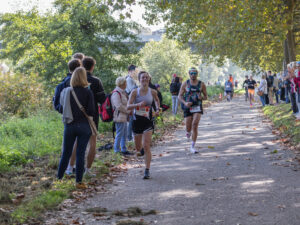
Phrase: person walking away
(228,89)
(131,85)
(263,87)
(251,90)
(99,97)
(276,87)
(119,101)
(140,100)
(76,125)
(245,85)
(174,89)
(231,80)
(270,80)
(191,94)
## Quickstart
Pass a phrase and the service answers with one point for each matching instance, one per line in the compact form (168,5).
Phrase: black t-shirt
(251,84)
(246,82)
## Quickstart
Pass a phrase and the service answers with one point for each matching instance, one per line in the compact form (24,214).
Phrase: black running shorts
(141,125)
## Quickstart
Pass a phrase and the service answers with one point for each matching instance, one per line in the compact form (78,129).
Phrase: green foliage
(251,33)
(22,140)
(45,43)
(214,91)
(21,94)
(284,121)
(162,59)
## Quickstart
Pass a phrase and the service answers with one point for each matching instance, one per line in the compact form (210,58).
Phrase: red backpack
(106,110)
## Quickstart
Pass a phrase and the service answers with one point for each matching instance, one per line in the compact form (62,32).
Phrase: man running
(245,85)
(191,94)
(228,89)
(251,90)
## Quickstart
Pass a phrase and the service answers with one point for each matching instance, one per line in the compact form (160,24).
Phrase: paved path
(234,180)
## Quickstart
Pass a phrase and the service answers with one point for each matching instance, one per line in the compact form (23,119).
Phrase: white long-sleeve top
(263,86)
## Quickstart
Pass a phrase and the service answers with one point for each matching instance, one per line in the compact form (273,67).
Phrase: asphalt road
(241,176)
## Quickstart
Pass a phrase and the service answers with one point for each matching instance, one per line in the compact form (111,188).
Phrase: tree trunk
(291,46)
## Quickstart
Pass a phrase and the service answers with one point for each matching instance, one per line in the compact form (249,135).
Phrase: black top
(98,92)
(246,82)
(159,97)
(86,99)
(251,84)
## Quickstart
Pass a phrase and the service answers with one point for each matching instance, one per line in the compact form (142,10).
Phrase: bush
(21,94)
(25,139)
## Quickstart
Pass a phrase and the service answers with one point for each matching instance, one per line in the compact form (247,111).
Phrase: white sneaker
(88,173)
(193,150)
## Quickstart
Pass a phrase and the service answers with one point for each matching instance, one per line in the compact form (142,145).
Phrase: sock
(70,168)
(87,170)
(193,144)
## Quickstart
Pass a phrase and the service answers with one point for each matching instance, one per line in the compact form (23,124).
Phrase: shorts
(228,92)
(187,113)
(251,91)
(141,125)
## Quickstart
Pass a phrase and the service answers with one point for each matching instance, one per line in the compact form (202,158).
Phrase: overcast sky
(43,5)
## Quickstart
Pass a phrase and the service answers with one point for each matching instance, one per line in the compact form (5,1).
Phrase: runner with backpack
(174,89)
(140,100)
(191,94)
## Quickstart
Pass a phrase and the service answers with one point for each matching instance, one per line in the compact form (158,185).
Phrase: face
(144,79)
(123,86)
(193,74)
(251,77)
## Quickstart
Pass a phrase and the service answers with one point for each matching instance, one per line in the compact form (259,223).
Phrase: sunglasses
(193,73)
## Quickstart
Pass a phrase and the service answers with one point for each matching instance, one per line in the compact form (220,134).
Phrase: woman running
(251,90)
(141,100)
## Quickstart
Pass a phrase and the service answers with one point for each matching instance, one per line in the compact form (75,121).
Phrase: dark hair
(140,74)
(269,71)
(88,62)
(131,67)
(176,80)
(78,55)
(73,64)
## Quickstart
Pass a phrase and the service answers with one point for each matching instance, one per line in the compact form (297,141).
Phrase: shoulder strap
(78,103)
(115,91)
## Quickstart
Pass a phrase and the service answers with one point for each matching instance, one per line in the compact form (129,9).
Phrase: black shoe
(142,152)
(147,174)
(127,153)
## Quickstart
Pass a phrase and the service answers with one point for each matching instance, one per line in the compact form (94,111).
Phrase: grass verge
(284,121)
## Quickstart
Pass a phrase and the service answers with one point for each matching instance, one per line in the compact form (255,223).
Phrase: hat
(174,75)
(157,85)
(131,67)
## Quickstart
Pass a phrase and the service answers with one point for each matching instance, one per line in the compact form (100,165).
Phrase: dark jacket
(175,88)
(98,92)
(86,99)
(63,84)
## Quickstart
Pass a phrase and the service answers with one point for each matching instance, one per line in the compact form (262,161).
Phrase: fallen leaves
(210,147)
(252,214)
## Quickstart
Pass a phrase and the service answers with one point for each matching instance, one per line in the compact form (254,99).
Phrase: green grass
(282,118)
(239,91)
(46,201)
(214,91)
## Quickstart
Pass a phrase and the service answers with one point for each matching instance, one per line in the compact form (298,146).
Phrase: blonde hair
(263,76)
(79,78)
(120,81)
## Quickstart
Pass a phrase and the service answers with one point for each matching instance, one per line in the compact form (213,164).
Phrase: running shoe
(147,174)
(89,174)
(141,153)
(193,150)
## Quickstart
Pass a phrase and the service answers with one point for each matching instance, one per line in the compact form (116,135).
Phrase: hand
(156,113)
(141,104)
(188,104)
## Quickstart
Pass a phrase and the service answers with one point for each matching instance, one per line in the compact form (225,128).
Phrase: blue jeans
(129,129)
(287,93)
(174,104)
(277,94)
(262,99)
(82,132)
(121,133)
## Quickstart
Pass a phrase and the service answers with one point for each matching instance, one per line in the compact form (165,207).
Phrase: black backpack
(174,88)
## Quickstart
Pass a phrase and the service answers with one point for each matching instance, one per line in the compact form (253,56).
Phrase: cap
(157,85)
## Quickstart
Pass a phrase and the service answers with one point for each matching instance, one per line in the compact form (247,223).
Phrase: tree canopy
(251,33)
(45,43)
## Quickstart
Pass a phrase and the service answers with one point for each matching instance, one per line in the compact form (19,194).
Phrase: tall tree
(45,43)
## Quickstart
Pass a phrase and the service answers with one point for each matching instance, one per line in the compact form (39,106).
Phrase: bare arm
(204,92)
(132,97)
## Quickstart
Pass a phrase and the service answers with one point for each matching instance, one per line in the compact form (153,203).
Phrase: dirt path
(234,180)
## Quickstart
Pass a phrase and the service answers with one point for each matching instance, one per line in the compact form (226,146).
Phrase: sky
(43,5)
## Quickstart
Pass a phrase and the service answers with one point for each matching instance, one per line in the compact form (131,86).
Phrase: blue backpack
(65,83)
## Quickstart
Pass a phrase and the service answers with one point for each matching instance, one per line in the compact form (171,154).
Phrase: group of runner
(77,98)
